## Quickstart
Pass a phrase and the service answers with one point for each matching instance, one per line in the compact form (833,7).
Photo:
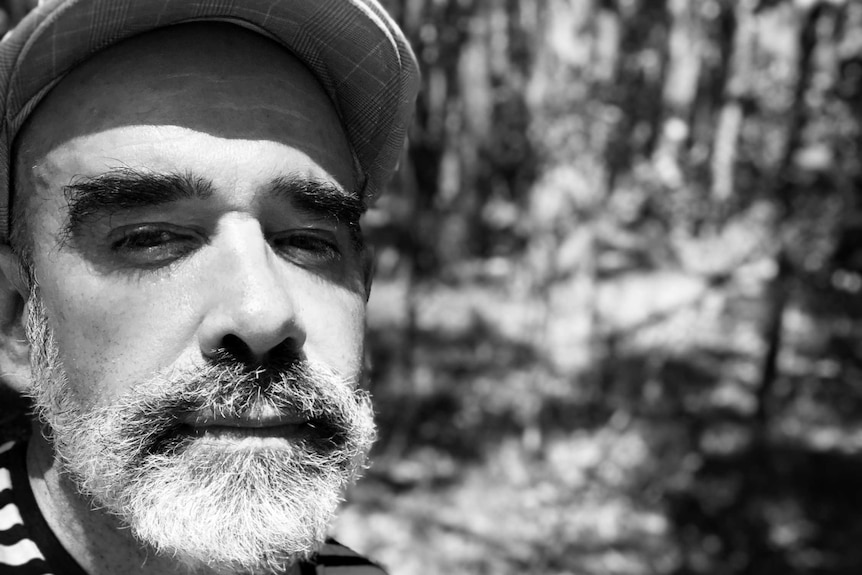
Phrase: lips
(260,426)
(228,433)
(255,418)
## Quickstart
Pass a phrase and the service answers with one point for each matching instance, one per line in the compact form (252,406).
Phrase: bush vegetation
(616,322)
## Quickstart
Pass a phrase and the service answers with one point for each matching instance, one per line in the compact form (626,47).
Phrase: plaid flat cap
(358,54)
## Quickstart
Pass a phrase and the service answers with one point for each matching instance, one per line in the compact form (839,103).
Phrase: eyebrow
(126,189)
(319,198)
(122,189)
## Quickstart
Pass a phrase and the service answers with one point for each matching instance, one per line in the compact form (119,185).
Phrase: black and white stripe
(27,547)
(336,559)
(19,555)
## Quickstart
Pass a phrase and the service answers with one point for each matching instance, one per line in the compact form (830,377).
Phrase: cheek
(112,334)
(334,322)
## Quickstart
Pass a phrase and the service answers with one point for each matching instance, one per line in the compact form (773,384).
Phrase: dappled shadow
(438,404)
(737,499)
(771,510)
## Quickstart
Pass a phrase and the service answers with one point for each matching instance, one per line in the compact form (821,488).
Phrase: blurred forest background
(617,324)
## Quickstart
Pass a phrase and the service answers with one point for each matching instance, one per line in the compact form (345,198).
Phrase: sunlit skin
(150,289)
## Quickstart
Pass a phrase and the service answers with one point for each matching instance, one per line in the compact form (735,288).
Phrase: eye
(307,246)
(152,245)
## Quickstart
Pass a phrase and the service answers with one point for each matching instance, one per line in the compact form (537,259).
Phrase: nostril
(284,355)
(233,348)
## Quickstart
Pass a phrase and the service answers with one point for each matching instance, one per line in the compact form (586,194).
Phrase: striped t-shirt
(29,547)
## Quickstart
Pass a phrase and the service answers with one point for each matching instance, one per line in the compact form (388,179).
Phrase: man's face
(199,315)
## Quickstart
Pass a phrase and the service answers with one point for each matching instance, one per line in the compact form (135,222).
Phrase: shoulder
(337,559)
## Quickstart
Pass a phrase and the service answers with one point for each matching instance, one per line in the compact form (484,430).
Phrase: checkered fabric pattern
(353,47)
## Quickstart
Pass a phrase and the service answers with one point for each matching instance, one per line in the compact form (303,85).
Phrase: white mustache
(231,391)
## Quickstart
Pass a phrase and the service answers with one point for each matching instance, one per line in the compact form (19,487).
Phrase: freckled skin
(184,102)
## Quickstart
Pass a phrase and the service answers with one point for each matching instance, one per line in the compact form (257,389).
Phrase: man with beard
(185,278)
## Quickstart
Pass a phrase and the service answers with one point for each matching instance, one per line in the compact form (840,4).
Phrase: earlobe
(14,348)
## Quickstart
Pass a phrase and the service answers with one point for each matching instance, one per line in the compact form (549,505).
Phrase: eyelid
(308,230)
(326,238)
(152,245)
(126,230)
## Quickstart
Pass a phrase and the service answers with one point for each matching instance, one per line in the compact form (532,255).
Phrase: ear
(369,263)
(14,347)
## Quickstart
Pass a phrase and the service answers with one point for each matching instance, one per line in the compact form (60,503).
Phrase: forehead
(212,79)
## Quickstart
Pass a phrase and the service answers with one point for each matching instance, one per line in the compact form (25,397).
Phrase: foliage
(616,323)
(615,329)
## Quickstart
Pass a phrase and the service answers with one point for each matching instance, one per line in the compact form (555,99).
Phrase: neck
(97,540)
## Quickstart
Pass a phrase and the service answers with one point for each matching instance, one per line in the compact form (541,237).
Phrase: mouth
(243,436)
(256,427)
(260,427)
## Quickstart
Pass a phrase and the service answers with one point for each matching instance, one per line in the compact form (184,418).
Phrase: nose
(252,313)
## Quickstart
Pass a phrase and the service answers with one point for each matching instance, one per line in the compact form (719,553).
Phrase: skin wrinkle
(142,99)
(120,188)
(127,340)
(232,105)
(125,189)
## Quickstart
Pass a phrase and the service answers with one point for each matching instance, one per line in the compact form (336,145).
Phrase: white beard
(255,511)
